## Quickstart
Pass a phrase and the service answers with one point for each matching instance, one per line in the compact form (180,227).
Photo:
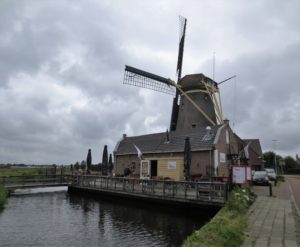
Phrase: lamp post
(274,148)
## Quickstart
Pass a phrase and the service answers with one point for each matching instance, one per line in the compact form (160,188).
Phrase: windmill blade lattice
(143,79)
(182,28)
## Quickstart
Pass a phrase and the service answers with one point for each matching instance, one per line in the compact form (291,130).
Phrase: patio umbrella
(187,158)
(110,164)
(104,161)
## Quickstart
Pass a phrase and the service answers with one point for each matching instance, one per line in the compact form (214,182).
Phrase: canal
(52,217)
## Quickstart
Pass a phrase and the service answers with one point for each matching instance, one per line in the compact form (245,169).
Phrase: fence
(19,181)
(198,191)
(180,190)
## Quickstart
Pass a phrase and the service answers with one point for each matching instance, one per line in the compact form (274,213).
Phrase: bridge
(177,193)
(193,194)
(18,182)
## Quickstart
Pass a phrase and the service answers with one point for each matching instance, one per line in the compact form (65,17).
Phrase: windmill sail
(175,107)
(182,23)
(140,78)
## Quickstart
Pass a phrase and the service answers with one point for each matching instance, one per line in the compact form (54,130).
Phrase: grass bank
(2,196)
(21,171)
(32,171)
(228,226)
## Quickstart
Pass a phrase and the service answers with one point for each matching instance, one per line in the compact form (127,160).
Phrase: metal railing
(34,180)
(198,191)
(180,190)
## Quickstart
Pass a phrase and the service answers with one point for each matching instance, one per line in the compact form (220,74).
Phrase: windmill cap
(195,81)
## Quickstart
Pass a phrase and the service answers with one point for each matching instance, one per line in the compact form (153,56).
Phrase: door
(153,168)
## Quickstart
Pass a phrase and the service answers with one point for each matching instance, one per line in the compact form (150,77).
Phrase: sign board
(239,174)
(145,169)
(281,162)
(248,173)
(222,157)
(171,165)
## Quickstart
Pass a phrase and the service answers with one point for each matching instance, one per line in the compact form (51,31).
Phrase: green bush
(240,199)
(2,196)
(280,178)
(228,226)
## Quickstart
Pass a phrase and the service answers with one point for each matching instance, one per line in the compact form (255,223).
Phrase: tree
(290,163)
(104,161)
(82,165)
(77,166)
(269,158)
(89,161)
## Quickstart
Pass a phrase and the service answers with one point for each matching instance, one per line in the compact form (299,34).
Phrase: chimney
(226,121)
(167,137)
(124,136)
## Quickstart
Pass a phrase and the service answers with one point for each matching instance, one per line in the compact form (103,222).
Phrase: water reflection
(39,190)
(155,227)
(59,219)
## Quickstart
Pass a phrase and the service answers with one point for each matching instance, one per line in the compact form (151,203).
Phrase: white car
(271,173)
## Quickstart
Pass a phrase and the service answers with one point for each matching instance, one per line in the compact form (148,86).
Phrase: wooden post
(152,186)
(61,174)
(173,189)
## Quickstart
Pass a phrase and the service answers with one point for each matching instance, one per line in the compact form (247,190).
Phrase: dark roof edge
(117,146)
(176,151)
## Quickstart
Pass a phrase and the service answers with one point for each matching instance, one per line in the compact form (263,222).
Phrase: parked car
(271,174)
(260,177)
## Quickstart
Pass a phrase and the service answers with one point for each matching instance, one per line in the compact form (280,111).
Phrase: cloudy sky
(62,65)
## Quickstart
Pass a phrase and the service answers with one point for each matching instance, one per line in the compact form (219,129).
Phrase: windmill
(196,101)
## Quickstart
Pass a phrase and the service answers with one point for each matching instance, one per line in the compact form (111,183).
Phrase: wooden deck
(159,191)
(192,194)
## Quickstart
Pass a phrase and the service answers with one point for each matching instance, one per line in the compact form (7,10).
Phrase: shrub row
(228,226)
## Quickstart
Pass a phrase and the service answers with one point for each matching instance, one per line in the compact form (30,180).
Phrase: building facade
(213,152)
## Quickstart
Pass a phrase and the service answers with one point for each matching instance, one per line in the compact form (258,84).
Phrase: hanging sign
(249,173)
(172,165)
(239,174)
(145,169)
(222,157)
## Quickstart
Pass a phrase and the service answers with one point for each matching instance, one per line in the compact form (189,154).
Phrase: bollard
(270,189)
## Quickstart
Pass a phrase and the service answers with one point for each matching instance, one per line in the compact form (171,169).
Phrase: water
(59,219)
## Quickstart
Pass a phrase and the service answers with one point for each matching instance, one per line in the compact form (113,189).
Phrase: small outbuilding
(213,151)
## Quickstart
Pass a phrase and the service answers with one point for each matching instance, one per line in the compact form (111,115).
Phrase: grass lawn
(27,171)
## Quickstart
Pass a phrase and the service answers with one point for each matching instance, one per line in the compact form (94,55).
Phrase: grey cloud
(62,65)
